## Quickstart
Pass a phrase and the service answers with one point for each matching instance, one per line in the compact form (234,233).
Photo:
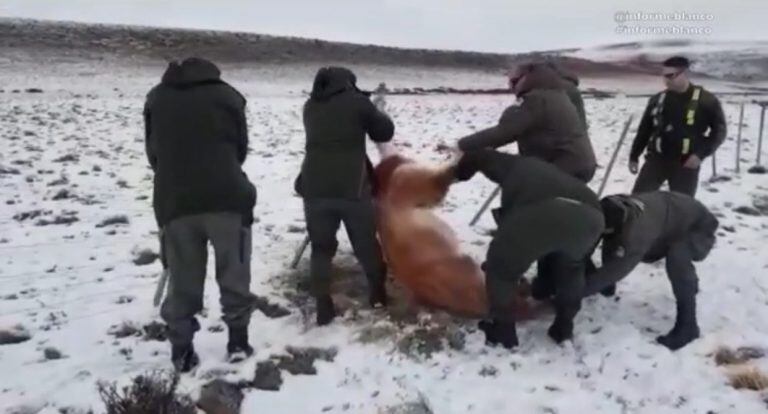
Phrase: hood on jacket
(564,73)
(191,71)
(540,76)
(333,80)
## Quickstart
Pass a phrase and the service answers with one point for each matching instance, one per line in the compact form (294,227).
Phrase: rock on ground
(14,335)
(220,397)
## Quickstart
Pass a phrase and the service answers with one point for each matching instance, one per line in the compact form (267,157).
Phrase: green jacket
(546,126)
(664,133)
(642,227)
(524,181)
(196,141)
(337,119)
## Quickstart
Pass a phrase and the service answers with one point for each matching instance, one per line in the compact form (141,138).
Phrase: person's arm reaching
(515,121)
(377,124)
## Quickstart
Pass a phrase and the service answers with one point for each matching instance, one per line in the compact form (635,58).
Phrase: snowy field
(72,157)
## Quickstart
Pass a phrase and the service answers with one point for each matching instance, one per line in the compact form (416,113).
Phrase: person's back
(336,182)
(669,217)
(571,86)
(528,180)
(649,227)
(337,118)
(196,142)
(560,137)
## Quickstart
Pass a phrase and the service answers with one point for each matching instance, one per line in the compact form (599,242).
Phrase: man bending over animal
(648,227)
(544,212)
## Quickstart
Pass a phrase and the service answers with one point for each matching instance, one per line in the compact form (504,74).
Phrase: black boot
(561,330)
(498,332)
(378,296)
(326,312)
(609,291)
(238,347)
(686,328)
(184,358)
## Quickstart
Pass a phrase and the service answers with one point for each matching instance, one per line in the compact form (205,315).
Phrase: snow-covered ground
(70,284)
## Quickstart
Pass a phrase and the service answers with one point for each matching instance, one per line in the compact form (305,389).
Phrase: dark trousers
(685,282)
(680,256)
(562,231)
(657,170)
(323,218)
(185,244)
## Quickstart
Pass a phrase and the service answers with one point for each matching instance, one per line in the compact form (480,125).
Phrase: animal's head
(404,183)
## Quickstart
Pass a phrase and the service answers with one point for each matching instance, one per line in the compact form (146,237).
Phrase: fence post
(615,154)
(760,135)
(738,138)
(485,205)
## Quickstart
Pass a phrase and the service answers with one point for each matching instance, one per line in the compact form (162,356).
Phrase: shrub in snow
(747,210)
(125,330)
(269,309)
(68,158)
(748,378)
(112,221)
(58,220)
(728,356)
(149,393)
(155,331)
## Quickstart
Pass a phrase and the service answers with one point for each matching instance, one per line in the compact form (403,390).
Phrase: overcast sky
(482,25)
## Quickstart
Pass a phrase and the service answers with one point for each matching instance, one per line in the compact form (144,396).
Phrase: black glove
(467,167)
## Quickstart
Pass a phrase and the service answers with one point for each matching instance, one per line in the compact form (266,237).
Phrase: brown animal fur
(422,251)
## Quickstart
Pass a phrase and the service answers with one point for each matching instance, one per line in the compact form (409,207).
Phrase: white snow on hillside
(728,59)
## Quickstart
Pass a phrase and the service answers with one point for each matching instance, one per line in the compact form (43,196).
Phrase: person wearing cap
(649,227)
(681,126)
(544,213)
(196,143)
(337,182)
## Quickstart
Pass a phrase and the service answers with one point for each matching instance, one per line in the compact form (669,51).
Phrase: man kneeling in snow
(651,226)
